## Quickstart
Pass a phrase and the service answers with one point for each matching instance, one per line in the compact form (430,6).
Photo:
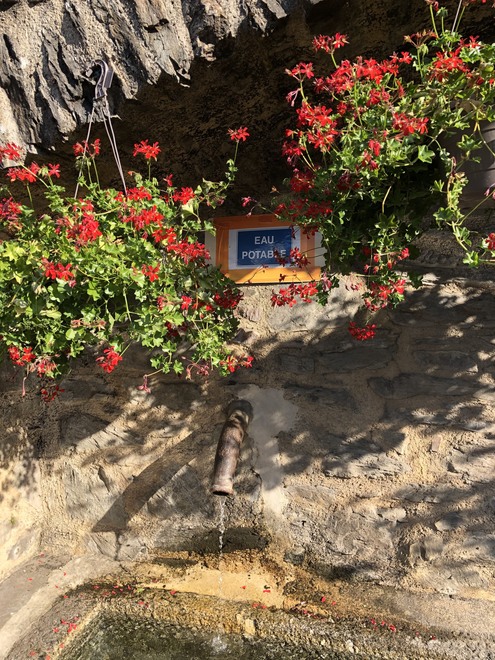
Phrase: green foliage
(110,268)
(378,146)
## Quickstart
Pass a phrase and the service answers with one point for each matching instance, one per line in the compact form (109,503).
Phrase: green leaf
(190,208)
(425,155)
(178,367)
(92,293)
(13,251)
(472,259)
(51,313)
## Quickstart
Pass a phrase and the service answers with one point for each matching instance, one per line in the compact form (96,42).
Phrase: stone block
(295,556)
(352,535)
(25,545)
(479,547)
(445,361)
(86,387)
(456,415)
(476,462)
(130,547)
(184,494)
(296,363)
(390,439)
(89,433)
(356,359)
(392,514)
(251,312)
(104,543)
(410,493)
(450,578)
(342,305)
(249,627)
(331,397)
(361,458)
(414,553)
(433,547)
(310,497)
(450,522)
(406,386)
(430,494)
(177,395)
(482,308)
(441,310)
(90,497)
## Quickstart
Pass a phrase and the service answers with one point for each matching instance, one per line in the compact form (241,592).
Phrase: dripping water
(221,532)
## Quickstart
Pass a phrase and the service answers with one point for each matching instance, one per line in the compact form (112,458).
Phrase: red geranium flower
(239,134)
(183,196)
(147,150)
(109,360)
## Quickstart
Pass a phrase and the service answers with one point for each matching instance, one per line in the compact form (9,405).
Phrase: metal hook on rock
(105,80)
(102,86)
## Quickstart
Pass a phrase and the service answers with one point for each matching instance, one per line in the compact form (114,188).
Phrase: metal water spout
(239,414)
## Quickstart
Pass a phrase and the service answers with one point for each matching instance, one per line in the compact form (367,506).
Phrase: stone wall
(365,460)
(371,461)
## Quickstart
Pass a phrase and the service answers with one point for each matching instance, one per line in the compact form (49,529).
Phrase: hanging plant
(369,158)
(108,268)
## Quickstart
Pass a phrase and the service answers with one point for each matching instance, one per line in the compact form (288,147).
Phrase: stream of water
(221,533)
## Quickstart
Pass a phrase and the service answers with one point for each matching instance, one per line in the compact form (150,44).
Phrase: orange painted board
(245,247)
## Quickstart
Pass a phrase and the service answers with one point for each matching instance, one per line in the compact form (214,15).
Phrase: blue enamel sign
(258,247)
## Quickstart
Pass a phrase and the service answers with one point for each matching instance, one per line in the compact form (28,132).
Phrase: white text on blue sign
(263,247)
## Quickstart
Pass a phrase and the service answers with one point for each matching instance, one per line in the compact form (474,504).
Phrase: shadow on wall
(396,437)
(389,466)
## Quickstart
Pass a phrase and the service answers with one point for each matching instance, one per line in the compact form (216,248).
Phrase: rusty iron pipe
(239,414)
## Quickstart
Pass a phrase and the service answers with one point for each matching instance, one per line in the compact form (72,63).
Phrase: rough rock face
(48,45)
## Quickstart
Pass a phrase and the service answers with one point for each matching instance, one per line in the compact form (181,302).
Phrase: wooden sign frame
(226,252)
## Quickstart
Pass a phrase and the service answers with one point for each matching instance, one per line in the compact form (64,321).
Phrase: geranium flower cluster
(368,157)
(109,268)
(109,360)
(289,295)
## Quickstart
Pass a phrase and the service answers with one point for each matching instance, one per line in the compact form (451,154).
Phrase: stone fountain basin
(270,609)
